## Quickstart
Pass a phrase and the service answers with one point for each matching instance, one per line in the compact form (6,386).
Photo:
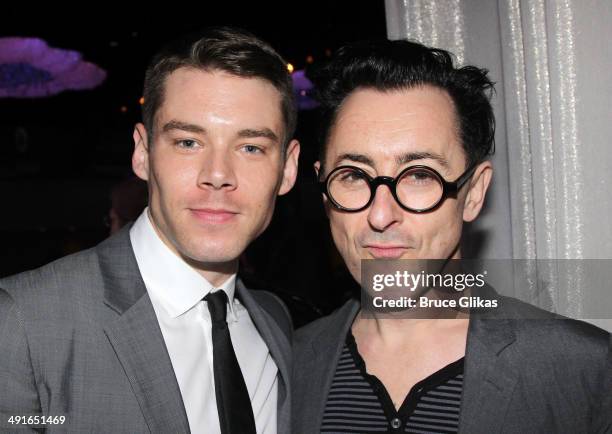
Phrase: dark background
(60,156)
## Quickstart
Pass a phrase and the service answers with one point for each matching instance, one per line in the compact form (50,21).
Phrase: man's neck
(216,273)
(397,330)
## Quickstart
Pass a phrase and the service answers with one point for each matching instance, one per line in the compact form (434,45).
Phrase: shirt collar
(174,284)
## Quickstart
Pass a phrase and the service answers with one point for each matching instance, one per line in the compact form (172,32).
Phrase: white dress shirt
(176,291)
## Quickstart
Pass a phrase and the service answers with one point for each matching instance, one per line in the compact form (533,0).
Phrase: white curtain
(552,62)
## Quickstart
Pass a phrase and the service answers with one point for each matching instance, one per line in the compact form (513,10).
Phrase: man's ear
(478,187)
(290,170)
(140,157)
(317,169)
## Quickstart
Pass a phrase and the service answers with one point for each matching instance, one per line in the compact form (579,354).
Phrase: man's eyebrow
(258,132)
(357,158)
(413,156)
(402,159)
(184,126)
(245,133)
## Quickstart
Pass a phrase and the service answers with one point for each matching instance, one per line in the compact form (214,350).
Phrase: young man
(151,331)
(403,166)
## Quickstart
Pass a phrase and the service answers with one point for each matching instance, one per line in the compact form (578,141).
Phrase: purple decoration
(29,68)
(303,88)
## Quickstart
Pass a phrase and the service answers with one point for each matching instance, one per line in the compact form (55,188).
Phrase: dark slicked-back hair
(226,49)
(393,65)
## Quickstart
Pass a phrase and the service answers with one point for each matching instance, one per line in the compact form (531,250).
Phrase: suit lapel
(279,347)
(137,339)
(321,367)
(489,378)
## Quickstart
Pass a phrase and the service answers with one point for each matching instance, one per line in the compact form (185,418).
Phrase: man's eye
(187,143)
(352,177)
(252,149)
(419,177)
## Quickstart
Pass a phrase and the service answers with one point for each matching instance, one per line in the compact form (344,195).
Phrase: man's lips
(384,251)
(211,215)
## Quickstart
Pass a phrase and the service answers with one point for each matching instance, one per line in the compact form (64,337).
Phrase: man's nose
(217,171)
(384,210)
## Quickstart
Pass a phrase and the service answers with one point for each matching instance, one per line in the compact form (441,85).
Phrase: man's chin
(211,260)
(213,254)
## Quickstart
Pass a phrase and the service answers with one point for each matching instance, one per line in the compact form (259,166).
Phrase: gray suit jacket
(79,338)
(545,375)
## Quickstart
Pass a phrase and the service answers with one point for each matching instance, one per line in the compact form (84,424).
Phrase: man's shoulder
(79,276)
(552,335)
(565,336)
(54,298)
(532,319)
(65,275)
(331,324)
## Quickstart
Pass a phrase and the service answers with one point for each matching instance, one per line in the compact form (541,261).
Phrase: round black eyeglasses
(416,189)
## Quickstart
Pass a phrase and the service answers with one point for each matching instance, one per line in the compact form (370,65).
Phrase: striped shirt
(359,403)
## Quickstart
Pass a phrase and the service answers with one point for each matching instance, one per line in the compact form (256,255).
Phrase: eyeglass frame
(449,188)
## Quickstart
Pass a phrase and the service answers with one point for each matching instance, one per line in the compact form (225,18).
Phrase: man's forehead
(206,83)
(201,97)
(396,125)
(394,104)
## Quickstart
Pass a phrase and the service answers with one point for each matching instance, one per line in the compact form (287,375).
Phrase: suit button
(396,423)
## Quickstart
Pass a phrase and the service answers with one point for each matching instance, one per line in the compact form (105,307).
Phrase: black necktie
(233,402)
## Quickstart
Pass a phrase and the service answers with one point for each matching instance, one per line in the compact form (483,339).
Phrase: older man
(403,165)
